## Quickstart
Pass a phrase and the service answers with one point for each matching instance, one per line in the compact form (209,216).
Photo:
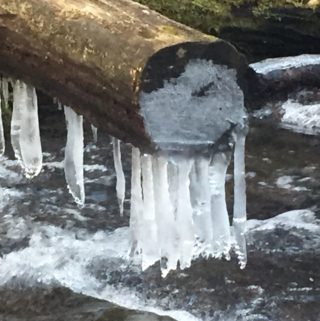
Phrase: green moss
(210,15)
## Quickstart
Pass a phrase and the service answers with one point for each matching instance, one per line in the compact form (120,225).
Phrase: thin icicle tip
(73,160)
(121,182)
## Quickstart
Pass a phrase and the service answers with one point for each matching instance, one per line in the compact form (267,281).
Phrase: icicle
(121,182)
(19,102)
(25,134)
(136,200)
(184,218)
(94,134)
(166,227)
(221,240)
(148,238)
(73,160)
(5,91)
(201,201)
(2,141)
(239,208)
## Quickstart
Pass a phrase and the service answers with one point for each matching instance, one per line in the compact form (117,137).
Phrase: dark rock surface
(60,304)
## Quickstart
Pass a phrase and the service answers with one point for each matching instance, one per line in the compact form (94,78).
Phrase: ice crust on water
(121,182)
(25,133)
(271,64)
(73,158)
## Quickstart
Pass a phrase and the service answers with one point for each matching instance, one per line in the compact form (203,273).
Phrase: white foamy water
(301,118)
(55,255)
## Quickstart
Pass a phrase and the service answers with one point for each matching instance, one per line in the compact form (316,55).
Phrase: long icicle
(149,241)
(184,218)
(30,142)
(221,241)
(73,159)
(166,227)
(19,102)
(201,201)
(2,140)
(25,134)
(121,182)
(136,204)
(239,206)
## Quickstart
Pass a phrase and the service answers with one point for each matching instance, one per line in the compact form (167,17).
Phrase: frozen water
(136,209)
(121,182)
(2,140)
(94,134)
(4,92)
(148,240)
(301,118)
(221,238)
(166,227)
(184,219)
(271,64)
(204,102)
(73,160)
(201,200)
(239,205)
(25,134)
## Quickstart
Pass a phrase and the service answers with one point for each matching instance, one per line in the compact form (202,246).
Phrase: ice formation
(25,133)
(73,159)
(4,97)
(121,182)
(184,212)
(178,207)
(94,134)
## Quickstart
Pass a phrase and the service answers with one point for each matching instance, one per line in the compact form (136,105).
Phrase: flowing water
(46,241)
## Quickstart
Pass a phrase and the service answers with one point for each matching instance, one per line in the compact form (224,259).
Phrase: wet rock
(61,304)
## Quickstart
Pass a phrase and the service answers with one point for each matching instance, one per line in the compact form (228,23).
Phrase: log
(259,29)
(90,54)
(99,58)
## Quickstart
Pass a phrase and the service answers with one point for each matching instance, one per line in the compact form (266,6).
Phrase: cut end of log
(191,96)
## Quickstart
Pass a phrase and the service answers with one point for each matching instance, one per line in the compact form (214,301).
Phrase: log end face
(192,96)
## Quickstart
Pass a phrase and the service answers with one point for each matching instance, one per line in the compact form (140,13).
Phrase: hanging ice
(25,134)
(201,201)
(94,134)
(121,182)
(165,220)
(148,239)
(2,141)
(221,241)
(239,206)
(5,92)
(192,119)
(73,160)
(136,209)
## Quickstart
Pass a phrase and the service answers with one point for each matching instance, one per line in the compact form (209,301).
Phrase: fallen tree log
(100,57)
(91,54)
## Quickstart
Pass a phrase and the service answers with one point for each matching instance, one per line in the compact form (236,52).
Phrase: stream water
(47,241)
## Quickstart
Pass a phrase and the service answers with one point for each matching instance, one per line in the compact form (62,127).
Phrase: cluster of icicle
(178,208)
(25,135)
(178,204)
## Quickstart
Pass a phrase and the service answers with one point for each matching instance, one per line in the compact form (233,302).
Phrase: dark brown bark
(89,54)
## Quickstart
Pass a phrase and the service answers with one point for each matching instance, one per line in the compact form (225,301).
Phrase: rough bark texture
(89,54)
(95,55)
(260,29)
